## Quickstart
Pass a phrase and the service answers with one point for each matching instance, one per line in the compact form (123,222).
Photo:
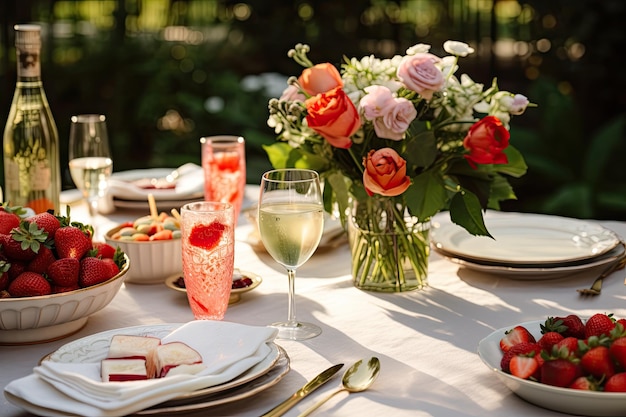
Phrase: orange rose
(333,116)
(320,79)
(385,173)
(486,140)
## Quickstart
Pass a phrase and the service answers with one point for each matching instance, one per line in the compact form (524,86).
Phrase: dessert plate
(564,400)
(525,240)
(235,293)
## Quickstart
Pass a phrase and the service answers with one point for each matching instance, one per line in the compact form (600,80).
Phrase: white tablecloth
(426,340)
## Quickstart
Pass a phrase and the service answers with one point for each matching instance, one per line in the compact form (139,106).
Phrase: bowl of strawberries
(53,276)
(567,364)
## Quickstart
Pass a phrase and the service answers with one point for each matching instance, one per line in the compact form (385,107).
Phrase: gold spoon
(357,378)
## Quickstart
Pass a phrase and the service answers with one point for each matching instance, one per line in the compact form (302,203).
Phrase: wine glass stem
(291,275)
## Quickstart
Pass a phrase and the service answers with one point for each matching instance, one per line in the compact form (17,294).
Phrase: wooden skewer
(153,209)
(176,214)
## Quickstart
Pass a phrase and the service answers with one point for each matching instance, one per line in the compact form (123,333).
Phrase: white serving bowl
(152,261)
(564,400)
(51,317)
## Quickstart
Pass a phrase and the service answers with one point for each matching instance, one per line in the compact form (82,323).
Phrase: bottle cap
(27,36)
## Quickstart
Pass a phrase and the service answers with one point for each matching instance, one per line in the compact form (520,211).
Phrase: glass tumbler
(208,249)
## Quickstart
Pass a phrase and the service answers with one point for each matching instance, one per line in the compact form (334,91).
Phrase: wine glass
(90,158)
(291,222)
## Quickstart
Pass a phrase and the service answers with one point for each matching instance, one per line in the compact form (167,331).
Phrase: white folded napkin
(190,182)
(227,349)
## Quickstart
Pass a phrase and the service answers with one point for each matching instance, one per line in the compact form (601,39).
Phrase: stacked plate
(171,188)
(91,349)
(528,246)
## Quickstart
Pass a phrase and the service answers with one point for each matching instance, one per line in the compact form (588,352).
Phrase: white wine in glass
(90,157)
(291,222)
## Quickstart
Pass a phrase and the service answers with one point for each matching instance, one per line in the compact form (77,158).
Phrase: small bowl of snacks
(243,281)
(48,291)
(153,244)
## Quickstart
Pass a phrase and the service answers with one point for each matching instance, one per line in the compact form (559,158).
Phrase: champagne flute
(291,222)
(90,158)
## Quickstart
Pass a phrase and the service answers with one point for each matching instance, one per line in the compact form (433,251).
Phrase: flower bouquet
(395,142)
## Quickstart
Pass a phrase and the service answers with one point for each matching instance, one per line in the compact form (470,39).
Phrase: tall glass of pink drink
(208,247)
(224,163)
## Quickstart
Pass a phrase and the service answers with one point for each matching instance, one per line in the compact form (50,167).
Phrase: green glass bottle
(31,140)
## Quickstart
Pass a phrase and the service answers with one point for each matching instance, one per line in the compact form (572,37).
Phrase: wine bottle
(31,140)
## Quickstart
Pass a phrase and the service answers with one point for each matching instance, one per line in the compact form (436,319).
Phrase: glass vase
(389,248)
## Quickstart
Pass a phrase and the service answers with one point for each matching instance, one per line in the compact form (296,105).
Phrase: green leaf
(426,195)
(516,167)
(282,155)
(421,150)
(466,212)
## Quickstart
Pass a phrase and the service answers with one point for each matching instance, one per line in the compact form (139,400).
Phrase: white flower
(457,48)
(420,48)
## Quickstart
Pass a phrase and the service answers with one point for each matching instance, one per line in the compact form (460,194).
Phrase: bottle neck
(28,65)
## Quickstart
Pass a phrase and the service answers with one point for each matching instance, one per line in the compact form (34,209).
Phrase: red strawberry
(512,337)
(64,272)
(5,279)
(618,351)
(559,372)
(71,242)
(598,324)
(550,339)
(8,221)
(585,383)
(206,236)
(46,221)
(523,366)
(93,271)
(570,325)
(17,267)
(523,348)
(570,343)
(616,383)
(57,289)
(42,261)
(29,284)
(103,250)
(597,362)
(112,266)
(24,241)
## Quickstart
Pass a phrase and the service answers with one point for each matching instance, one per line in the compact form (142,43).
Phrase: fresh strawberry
(112,266)
(41,261)
(17,267)
(570,343)
(64,272)
(598,324)
(597,362)
(72,242)
(585,383)
(512,337)
(93,271)
(4,275)
(46,221)
(523,348)
(559,372)
(57,289)
(618,351)
(29,284)
(616,383)
(523,366)
(206,236)
(103,250)
(8,221)
(24,241)
(570,325)
(549,339)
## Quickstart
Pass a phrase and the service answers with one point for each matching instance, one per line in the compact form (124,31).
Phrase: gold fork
(596,287)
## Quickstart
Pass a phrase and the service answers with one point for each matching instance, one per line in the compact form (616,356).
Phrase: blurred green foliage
(162,94)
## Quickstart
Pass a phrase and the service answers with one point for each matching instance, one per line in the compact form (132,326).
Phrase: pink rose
(374,104)
(320,78)
(419,73)
(385,173)
(292,93)
(394,124)
(333,116)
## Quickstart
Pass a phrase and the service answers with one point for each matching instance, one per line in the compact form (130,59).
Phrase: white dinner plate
(526,239)
(235,293)
(95,348)
(188,187)
(525,272)
(564,400)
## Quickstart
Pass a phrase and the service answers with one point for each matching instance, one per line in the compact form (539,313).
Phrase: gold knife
(311,386)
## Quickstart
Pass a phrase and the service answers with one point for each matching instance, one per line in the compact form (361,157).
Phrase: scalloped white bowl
(152,262)
(51,317)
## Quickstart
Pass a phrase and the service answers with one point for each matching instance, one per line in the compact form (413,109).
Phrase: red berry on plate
(523,366)
(29,284)
(516,335)
(616,383)
(598,324)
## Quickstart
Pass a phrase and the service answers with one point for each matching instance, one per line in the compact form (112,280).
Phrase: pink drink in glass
(208,247)
(224,163)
